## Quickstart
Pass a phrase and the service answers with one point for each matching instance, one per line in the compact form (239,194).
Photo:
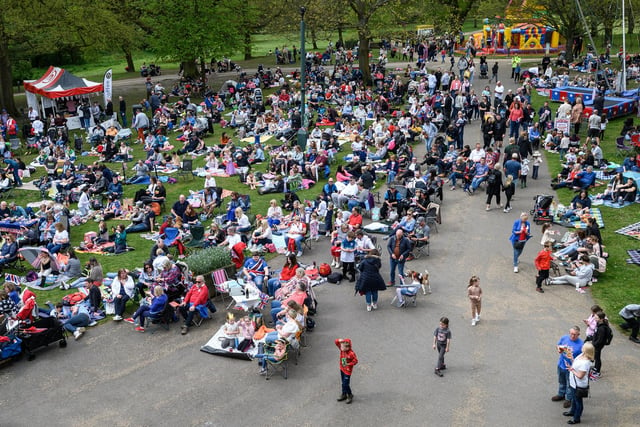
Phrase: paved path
(501,372)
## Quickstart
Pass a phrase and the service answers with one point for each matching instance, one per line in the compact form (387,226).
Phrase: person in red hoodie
(348,360)
(196,300)
(543,264)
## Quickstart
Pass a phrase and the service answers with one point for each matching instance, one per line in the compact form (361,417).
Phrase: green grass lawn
(618,286)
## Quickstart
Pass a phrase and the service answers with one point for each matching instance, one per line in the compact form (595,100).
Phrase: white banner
(107,85)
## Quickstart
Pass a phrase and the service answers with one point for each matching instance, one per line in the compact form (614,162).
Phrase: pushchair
(541,209)
(484,70)
(40,333)
(10,344)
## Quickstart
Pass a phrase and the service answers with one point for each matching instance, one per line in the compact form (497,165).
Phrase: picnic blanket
(213,346)
(608,203)
(635,256)
(263,139)
(377,227)
(632,230)
(100,249)
(594,212)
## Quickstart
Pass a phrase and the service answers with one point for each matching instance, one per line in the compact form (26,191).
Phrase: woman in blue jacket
(520,233)
(156,307)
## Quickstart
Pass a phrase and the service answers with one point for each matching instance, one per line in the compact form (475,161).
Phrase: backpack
(334,277)
(310,324)
(491,179)
(324,269)
(609,337)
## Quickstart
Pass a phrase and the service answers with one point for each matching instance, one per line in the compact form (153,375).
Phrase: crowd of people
(440,103)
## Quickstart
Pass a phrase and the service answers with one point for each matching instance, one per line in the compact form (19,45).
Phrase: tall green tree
(563,15)
(364,11)
(194,30)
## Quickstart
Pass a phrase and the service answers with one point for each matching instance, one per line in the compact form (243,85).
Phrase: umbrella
(30,254)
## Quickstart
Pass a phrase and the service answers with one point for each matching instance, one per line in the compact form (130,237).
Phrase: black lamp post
(302,132)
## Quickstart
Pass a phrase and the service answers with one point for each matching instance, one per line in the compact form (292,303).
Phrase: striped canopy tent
(57,83)
(60,83)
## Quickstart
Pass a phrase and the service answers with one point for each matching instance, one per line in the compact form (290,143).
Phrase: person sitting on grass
(122,289)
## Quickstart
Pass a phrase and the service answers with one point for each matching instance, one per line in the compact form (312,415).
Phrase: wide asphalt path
(501,372)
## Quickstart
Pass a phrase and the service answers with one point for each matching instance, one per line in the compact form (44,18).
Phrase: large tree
(194,30)
(563,15)
(364,10)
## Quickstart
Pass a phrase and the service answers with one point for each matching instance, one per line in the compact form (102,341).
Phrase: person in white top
(349,191)
(210,182)
(232,239)
(297,230)
(498,93)
(477,153)
(38,126)
(84,204)
(564,111)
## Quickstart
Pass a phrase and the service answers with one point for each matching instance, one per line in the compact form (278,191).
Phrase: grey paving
(500,372)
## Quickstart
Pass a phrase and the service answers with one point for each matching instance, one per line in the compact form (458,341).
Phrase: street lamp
(302,132)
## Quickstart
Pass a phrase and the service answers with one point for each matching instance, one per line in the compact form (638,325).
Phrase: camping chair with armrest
(421,248)
(162,319)
(409,292)
(203,312)
(223,285)
(197,237)
(623,150)
(433,215)
(187,168)
(272,366)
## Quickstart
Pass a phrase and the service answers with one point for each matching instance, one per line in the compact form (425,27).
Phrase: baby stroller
(484,70)
(10,344)
(540,211)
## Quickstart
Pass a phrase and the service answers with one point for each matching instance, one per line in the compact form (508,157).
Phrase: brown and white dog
(423,278)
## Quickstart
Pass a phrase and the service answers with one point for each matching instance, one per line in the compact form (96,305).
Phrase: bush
(207,260)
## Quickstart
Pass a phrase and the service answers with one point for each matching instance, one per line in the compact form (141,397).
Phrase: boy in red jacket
(348,360)
(543,265)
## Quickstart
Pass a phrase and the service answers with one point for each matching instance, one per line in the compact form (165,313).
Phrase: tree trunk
(631,21)
(6,79)
(363,57)
(203,70)
(340,38)
(569,46)
(247,45)
(608,34)
(127,54)
(314,38)
(190,69)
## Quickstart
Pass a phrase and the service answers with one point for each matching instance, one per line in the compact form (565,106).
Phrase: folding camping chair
(224,286)
(186,168)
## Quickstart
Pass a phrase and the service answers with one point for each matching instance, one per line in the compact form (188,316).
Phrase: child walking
(537,161)
(328,220)
(524,172)
(474,292)
(348,360)
(441,342)
(348,256)
(509,189)
(543,265)
(314,227)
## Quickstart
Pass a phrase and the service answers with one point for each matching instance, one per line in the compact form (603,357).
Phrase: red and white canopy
(59,83)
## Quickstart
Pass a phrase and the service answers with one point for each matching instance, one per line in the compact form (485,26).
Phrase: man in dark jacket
(398,247)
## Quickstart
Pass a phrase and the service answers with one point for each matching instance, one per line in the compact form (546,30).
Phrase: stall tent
(57,83)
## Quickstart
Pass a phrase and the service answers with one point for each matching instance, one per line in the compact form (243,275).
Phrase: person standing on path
(569,347)
(601,337)
(370,281)
(494,72)
(474,292)
(543,265)
(520,233)
(399,248)
(348,360)
(441,343)
(123,111)
(579,379)
(494,185)
(630,314)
